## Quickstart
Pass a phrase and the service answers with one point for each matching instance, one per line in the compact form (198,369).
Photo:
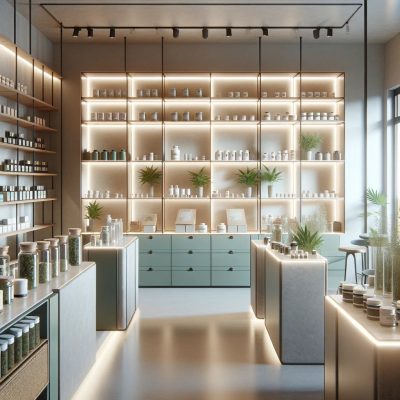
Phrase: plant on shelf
(151,176)
(248,177)
(93,212)
(308,143)
(306,239)
(199,180)
(270,176)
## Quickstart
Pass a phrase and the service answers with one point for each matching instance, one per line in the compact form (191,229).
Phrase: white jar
(239,155)
(218,155)
(172,92)
(278,156)
(175,153)
(203,228)
(198,116)
(176,191)
(186,116)
(142,116)
(171,191)
(221,228)
(174,116)
(387,316)
(246,155)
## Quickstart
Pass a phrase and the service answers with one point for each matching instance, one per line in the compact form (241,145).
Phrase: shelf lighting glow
(99,125)
(103,101)
(276,78)
(145,78)
(187,78)
(234,78)
(105,78)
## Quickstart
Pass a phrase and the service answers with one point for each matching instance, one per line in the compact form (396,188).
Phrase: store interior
(199,200)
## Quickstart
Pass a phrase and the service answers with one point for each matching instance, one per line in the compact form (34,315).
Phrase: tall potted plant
(270,176)
(308,143)
(151,176)
(306,239)
(248,177)
(199,180)
(93,212)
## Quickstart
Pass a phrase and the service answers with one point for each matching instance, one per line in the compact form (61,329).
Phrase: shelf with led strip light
(34,89)
(222,95)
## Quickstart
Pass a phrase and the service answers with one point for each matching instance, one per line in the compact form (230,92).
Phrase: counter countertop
(367,326)
(126,241)
(22,305)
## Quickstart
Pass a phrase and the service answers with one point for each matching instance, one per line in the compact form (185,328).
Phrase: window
(396,121)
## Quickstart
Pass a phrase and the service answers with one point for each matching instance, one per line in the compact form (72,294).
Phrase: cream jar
(358,299)
(373,306)
(387,316)
(347,289)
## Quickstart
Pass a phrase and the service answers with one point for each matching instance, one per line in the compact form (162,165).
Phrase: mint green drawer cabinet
(230,276)
(190,258)
(154,242)
(229,258)
(230,242)
(190,242)
(191,276)
(152,258)
(154,276)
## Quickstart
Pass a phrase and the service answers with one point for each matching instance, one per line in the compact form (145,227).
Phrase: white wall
(238,58)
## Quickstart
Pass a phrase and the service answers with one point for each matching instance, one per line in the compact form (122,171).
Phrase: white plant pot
(249,192)
(309,155)
(200,191)
(151,191)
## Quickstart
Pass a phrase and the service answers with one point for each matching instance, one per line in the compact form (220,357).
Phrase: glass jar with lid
(32,332)
(11,351)
(75,246)
(63,246)
(4,357)
(28,261)
(6,283)
(54,257)
(36,320)
(25,337)
(43,261)
(105,235)
(4,261)
(277,233)
(17,333)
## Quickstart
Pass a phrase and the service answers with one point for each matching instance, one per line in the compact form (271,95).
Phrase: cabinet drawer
(230,258)
(154,242)
(227,242)
(191,242)
(152,258)
(154,276)
(191,276)
(230,276)
(190,258)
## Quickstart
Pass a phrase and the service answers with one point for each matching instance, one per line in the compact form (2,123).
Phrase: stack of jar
(6,81)
(319,116)
(148,157)
(25,166)
(19,193)
(232,155)
(105,155)
(281,155)
(39,121)
(18,342)
(108,116)
(268,116)
(7,110)
(109,92)
(19,140)
(375,308)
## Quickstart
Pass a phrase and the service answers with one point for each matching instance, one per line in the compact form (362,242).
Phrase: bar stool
(365,256)
(353,250)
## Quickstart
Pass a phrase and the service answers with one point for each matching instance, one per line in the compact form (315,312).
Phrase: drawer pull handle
(190,237)
(150,237)
(230,237)
(190,252)
(150,251)
(230,251)
(150,269)
(190,269)
(230,269)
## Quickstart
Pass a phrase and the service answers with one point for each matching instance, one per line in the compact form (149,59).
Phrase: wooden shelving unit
(203,138)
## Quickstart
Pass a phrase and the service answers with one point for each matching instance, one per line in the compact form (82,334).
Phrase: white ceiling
(383,18)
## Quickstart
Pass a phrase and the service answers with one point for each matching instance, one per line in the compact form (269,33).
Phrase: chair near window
(353,250)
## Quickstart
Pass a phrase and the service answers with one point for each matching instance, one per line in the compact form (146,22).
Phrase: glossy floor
(195,344)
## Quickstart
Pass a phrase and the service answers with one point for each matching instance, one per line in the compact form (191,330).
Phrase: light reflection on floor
(196,344)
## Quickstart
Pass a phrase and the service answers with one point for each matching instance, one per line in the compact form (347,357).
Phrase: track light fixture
(76,31)
(175,32)
(90,33)
(265,31)
(329,32)
(204,33)
(316,33)
(228,32)
(112,33)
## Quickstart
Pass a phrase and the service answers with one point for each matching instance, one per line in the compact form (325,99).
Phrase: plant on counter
(306,239)
(93,212)
(199,180)
(270,176)
(248,177)
(151,176)
(308,143)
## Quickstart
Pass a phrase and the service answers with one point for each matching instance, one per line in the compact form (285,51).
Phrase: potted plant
(248,177)
(199,180)
(151,176)
(93,212)
(270,176)
(306,239)
(308,143)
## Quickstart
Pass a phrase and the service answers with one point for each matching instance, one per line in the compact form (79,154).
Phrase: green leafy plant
(306,239)
(270,175)
(150,175)
(248,177)
(309,142)
(200,178)
(93,210)
(378,202)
